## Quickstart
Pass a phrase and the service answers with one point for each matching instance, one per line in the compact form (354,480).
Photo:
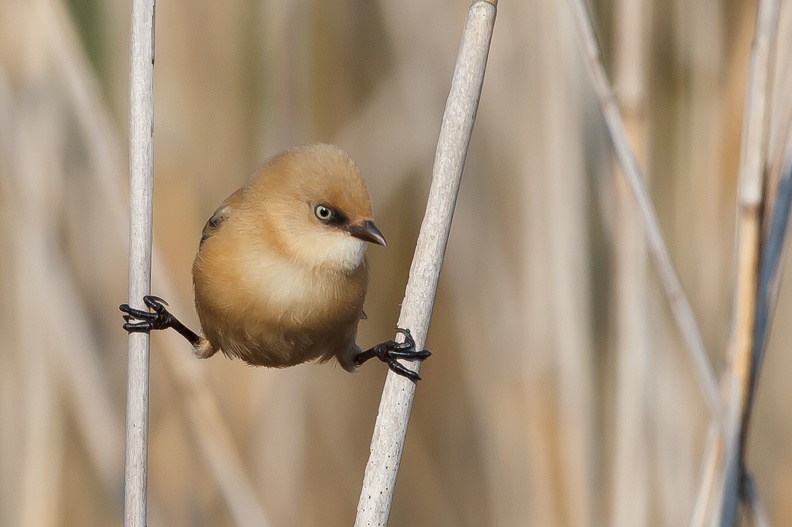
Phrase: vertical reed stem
(397,397)
(753,163)
(141,120)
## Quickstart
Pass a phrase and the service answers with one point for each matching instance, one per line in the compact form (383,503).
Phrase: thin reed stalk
(390,430)
(141,182)
(753,162)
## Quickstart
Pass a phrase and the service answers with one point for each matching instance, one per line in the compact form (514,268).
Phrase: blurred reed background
(560,393)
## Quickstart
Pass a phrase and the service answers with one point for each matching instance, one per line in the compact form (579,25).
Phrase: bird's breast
(284,286)
(255,282)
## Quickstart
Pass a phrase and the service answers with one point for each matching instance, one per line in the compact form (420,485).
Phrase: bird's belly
(271,312)
(261,342)
(272,348)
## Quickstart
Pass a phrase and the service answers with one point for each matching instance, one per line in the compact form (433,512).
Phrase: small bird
(281,273)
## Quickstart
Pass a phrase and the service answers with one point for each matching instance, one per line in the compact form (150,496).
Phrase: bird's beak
(368,232)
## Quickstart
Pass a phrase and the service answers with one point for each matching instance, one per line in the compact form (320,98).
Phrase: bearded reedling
(281,273)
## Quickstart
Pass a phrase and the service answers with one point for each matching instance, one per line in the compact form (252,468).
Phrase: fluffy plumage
(276,284)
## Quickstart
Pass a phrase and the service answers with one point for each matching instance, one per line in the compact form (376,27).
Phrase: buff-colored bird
(281,274)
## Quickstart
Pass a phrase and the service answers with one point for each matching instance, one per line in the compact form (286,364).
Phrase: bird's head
(317,206)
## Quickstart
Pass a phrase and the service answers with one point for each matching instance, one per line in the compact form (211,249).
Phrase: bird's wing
(222,212)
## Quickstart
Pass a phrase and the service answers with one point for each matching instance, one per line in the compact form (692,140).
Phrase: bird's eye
(323,213)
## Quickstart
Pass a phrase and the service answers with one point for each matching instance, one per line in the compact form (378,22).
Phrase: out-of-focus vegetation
(521,418)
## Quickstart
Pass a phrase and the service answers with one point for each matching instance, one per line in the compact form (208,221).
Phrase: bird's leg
(137,320)
(391,350)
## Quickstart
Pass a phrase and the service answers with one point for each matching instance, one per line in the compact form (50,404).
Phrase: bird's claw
(137,320)
(391,350)
(406,349)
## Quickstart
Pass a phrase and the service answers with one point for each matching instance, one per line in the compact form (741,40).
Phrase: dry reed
(394,413)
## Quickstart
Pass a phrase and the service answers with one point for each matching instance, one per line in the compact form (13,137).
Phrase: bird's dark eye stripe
(336,217)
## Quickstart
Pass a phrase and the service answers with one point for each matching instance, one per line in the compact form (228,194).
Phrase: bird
(281,274)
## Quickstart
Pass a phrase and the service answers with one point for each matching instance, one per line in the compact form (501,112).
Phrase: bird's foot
(139,321)
(391,350)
